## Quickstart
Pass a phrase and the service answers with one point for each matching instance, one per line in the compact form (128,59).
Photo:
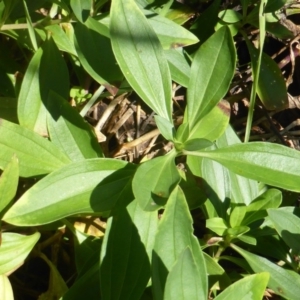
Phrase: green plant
(140,255)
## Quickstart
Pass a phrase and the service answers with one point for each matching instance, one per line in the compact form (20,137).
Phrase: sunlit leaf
(94,185)
(81,9)
(154,181)
(36,155)
(211,74)
(140,56)
(14,249)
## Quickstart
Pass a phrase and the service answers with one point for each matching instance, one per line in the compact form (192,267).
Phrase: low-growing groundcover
(205,216)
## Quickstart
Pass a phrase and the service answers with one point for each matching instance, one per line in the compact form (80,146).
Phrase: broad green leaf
(237,215)
(274,5)
(36,155)
(69,132)
(217,225)
(271,87)
(9,181)
(179,66)
(154,181)
(14,249)
(236,231)
(285,283)
(165,127)
(214,124)
(47,71)
(242,190)
(125,254)
(61,39)
(95,52)
(288,227)
(81,9)
(230,16)
(196,144)
(181,14)
(6,291)
(249,288)
(170,34)
(183,279)
(94,185)
(140,56)
(272,164)
(212,70)
(257,209)
(174,234)
(217,277)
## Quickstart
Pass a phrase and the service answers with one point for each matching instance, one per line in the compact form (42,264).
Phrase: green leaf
(174,235)
(230,16)
(217,225)
(81,9)
(14,249)
(217,277)
(251,287)
(288,227)
(257,209)
(46,71)
(236,231)
(272,164)
(196,144)
(214,124)
(237,215)
(285,283)
(179,66)
(141,57)
(154,181)
(271,87)
(6,291)
(274,5)
(69,132)
(36,155)
(183,279)
(61,39)
(212,70)
(165,127)
(94,185)
(170,34)
(125,254)
(8,184)
(95,52)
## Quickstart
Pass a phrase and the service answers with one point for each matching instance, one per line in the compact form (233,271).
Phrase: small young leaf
(288,227)
(272,164)
(212,70)
(237,215)
(9,181)
(251,287)
(140,56)
(69,132)
(183,279)
(179,66)
(12,244)
(36,155)
(174,235)
(217,225)
(196,144)
(81,9)
(125,253)
(154,181)
(94,185)
(257,209)
(230,16)
(285,283)
(165,127)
